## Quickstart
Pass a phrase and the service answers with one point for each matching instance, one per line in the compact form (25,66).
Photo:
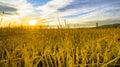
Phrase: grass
(20,47)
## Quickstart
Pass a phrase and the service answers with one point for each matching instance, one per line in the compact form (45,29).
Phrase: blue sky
(75,11)
(38,2)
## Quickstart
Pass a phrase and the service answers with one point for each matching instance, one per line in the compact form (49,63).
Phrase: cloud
(52,7)
(86,3)
(16,9)
(6,9)
(103,10)
(22,7)
(80,10)
(87,6)
(77,10)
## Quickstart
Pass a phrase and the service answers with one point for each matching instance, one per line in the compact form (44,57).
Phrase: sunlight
(32,22)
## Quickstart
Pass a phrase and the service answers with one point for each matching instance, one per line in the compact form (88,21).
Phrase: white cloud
(23,7)
(49,11)
(52,7)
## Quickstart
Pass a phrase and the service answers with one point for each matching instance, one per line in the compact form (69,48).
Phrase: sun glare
(32,22)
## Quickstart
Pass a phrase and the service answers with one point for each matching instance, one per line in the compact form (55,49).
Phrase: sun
(32,22)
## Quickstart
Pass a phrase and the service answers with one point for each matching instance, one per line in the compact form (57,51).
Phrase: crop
(26,47)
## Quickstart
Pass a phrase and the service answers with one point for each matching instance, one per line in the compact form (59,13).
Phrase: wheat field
(89,47)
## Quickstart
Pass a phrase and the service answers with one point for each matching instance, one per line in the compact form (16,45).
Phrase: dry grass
(21,47)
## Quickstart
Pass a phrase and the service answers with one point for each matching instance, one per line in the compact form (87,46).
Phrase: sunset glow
(32,22)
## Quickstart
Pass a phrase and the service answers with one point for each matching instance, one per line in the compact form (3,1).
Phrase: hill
(111,25)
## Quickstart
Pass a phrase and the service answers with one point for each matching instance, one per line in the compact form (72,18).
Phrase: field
(95,47)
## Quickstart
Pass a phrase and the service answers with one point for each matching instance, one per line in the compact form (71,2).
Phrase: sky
(84,12)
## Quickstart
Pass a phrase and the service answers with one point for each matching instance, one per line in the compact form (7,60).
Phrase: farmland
(84,47)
